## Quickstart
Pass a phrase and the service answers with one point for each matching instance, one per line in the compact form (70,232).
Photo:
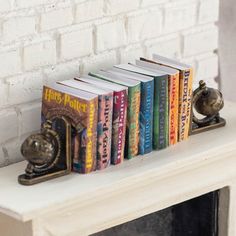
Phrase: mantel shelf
(26,203)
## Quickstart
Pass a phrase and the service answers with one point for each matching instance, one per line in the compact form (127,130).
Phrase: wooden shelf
(85,204)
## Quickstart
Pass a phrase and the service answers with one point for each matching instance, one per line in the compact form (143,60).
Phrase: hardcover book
(161,101)
(173,76)
(104,127)
(120,97)
(146,108)
(80,108)
(134,93)
(185,93)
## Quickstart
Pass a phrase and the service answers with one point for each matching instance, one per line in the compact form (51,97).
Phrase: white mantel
(79,205)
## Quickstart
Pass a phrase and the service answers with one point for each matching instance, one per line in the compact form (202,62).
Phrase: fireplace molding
(86,204)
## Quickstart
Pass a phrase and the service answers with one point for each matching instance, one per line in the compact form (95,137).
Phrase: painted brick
(200,40)
(209,11)
(144,25)
(12,149)
(10,63)
(40,54)
(180,15)
(30,117)
(32,3)
(98,62)
(146,3)
(2,157)
(207,67)
(89,10)
(110,35)
(3,93)
(115,7)
(60,72)
(8,124)
(25,88)
(55,19)
(76,44)
(5,5)
(169,46)
(131,53)
(17,27)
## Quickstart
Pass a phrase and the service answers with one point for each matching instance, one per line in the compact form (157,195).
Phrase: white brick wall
(42,41)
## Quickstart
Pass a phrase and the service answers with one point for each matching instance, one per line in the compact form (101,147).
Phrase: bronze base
(198,129)
(25,180)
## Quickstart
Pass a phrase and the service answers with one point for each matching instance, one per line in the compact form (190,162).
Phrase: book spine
(185,103)
(104,130)
(173,108)
(87,142)
(146,117)
(161,113)
(120,100)
(132,129)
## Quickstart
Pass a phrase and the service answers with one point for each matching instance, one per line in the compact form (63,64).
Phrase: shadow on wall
(227,48)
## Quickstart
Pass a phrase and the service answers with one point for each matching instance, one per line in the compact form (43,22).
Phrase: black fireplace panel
(195,217)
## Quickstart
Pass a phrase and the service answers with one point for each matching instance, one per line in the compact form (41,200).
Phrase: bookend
(207,102)
(48,153)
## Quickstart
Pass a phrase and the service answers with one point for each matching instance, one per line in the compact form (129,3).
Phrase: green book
(161,112)
(134,97)
(161,103)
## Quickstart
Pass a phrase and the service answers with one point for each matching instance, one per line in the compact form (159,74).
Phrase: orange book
(173,91)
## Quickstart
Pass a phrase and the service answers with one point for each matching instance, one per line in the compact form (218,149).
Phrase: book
(80,108)
(185,93)
(104,126)
(173,76)
(146,108)
(134,95)
(160,105)
(120,97)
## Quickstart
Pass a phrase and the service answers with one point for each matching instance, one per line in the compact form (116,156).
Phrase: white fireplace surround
(84,204)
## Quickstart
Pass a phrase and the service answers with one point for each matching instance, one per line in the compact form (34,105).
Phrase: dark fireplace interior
(195,217)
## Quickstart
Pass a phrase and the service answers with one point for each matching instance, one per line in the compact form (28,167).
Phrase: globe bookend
(48,153)
(207,102)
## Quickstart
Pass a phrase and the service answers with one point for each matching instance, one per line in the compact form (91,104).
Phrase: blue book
(146,108)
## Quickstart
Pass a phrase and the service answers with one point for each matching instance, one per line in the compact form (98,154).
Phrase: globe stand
(48,153)
(196,129)
(207,102)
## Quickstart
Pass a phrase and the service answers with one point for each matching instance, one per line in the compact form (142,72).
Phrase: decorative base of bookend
(48,152)
(207,102)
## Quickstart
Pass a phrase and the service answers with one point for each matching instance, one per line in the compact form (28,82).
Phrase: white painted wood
(85,204)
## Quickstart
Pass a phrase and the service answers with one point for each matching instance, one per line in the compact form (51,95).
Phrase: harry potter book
(146,108)
(104,128)
(173,76)
(134,93)
(185,93)
(120,97)
(80,108)
(161,101)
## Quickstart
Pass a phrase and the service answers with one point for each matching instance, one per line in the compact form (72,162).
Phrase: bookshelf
(85,204)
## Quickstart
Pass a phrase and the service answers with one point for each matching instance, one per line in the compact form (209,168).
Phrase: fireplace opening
(195,217)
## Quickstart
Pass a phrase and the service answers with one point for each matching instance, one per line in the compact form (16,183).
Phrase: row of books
(124,111)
